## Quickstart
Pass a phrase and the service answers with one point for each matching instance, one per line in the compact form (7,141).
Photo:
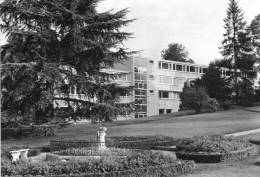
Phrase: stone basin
(48,157)
(256,143)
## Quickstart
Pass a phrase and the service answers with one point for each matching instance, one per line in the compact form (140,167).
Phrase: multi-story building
(157,83)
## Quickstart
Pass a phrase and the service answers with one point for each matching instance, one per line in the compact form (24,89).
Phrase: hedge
(213,143)
(138,160)
(213,149)
(169,170)
(28,131)
(139,142)
(215,157)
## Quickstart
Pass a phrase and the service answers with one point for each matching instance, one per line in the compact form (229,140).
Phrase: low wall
(215,157)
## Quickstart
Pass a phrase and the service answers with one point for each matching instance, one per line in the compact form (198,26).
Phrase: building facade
(157,84)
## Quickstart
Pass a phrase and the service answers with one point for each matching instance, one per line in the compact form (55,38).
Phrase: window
(227,73)
(151,61)
(165,66)
(168,111)
(173,67)
(204,70)
(163,94)
(151,92)
(151,77)
(161,111)
(136,69)
(184,68)
(179,67)
(192,69)
(140,76)
(166,80)
(188,68)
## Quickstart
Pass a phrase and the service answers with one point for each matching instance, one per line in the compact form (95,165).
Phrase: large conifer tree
(54,45)
(237,46)
(255,30)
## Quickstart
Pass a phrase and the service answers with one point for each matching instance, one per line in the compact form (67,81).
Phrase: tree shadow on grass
(257,163)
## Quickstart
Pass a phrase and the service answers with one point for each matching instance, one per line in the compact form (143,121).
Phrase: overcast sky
(197,24)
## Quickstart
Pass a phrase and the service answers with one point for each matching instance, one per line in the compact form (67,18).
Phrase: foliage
(104,165)
(29,131)
(257,95)
(238,45)
(176,52)
(193,97)
(138,142)
(95,152)
(255,30)
(245,92)
(215,143)
(213,105)
(54,46)
(216,85)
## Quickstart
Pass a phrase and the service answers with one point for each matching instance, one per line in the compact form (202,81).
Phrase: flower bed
(137,164)
(95,152)
(213,149)
(139,142)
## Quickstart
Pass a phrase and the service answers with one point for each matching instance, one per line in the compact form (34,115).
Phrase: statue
(101,134)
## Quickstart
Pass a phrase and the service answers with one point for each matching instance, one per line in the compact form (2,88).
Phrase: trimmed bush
(28,131)
(137,164)
(95,152)
(215,143)
(129,142)
(213,149)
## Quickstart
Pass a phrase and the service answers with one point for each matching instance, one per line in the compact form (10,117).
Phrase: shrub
(137,161)
(215,143)
(213,149)
(194,97)
(225,104)
(139,142)
(212,105)
(96,152)
(28,131)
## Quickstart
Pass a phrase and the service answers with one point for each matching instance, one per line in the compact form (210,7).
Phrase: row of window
(239,74)
(165,111)
(124,77)
(169,95)
(181,67)
(171,80)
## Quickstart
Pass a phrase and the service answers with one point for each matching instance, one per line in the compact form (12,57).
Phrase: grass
(223,122)
(246,168)
(255,136)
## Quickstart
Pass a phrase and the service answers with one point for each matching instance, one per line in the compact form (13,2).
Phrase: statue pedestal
(101,134)
(19,155)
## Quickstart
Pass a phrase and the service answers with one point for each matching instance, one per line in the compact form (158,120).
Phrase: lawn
(246,168)
(224,122)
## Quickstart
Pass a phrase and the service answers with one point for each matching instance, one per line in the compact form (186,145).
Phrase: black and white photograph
(130,88)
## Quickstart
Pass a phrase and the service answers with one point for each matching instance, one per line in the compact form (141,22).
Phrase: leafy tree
(246,92)
(237,46)
(255,30)
(216,85)
(54,45)
(176,52)
(193,97)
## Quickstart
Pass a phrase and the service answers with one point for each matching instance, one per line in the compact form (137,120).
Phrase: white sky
(197,24)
